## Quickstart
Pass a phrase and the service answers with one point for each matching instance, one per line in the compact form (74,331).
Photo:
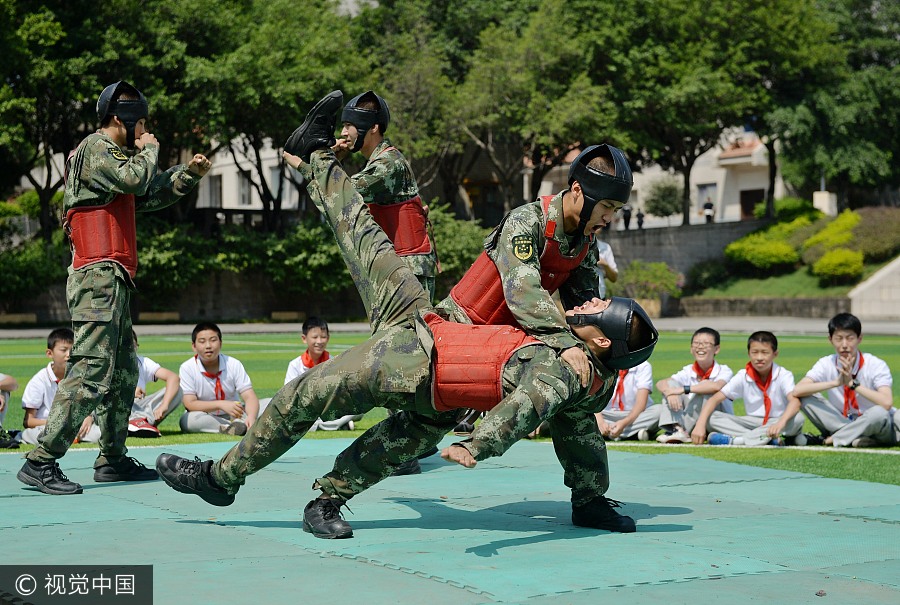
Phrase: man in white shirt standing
(606,267)
(214,385)
(848,395)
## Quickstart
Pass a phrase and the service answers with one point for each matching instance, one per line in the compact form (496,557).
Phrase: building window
(243,190)
(215,191)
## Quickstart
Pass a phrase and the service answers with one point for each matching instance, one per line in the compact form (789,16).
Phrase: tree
(664,197)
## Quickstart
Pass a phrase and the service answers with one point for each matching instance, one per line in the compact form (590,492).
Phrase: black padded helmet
(616,322)
(598,185)
(364,119)
(127,110)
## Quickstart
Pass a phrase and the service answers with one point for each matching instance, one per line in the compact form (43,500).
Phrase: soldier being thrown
(521,381)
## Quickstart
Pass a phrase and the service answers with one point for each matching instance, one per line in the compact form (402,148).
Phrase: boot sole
(184,490)
(308,529)
(29,480)
(292,144)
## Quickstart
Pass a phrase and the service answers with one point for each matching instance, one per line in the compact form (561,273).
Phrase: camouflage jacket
(386,179)
(99,170)
(516,246)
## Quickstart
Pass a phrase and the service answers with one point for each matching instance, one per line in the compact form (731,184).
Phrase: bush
(29,269)
(30,204)
(708,274)
(8,209)
(169,263)
(459,242)
(877,235)
(307,259)
(648,280)
(664,197)
(839,266)
(789,208)
(837,233)
(763,253)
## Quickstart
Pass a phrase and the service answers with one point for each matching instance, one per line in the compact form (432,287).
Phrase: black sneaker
(599,514)
(7,440)
(317,130)
(48,478)
(813,439)
(322,518)
(126,469)
(410,467)
(192,477)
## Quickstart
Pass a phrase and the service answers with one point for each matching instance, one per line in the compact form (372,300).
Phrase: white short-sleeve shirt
(147,369)
(638,377)
(234,379)
(741,386)
(298,368)
(874,374)
(719,372)
(604,251)
(40,391)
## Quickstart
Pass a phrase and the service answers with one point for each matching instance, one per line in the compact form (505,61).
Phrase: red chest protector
(103,233)
(480,291)
(469,362)
(405,223)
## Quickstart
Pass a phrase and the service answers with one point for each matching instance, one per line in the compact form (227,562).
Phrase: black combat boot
(322,518)
(599,514)
(317,130)
(48,478)
(192,477)
(126,469)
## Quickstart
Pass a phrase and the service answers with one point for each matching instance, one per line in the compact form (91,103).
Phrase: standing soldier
(103,177)
(387,185)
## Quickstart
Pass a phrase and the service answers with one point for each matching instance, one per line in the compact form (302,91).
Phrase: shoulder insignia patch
(116,153)
(523,247)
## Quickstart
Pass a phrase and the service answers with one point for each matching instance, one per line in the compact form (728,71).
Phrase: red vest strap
(405,224)
(468,362)
(104,233)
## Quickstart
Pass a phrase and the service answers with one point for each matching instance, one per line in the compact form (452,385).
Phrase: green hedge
(760,252)
(789,208)
(839,266)
(647,280)
(28,269)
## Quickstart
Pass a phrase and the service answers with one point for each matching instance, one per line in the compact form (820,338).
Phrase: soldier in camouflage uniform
(394,368)
(387,181)
(103,176)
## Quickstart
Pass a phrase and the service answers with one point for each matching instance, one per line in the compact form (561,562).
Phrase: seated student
(40,390)
(685,392)
(426,366)
(8,384)
(767,391)
(315,336)
(848,395)
(628,413)
(214,385)
(148,411)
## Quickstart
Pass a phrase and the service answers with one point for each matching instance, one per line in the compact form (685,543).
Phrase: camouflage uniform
(102,371)
(388,179)
(393,369)
(515,246)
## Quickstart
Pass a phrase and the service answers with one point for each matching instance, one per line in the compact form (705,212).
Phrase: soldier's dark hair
(603,163)
(763,337)
(845,321)
(314,322)
(710,331)
(64,335)
(370,102)
(205,325)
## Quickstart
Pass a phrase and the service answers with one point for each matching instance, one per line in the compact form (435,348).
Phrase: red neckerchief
(850,394)
(620,390)
(701,375)
(220,392)
(763,386)
(308,361)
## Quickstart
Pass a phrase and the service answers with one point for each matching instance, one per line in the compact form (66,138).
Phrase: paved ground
(778,325)
(708,532)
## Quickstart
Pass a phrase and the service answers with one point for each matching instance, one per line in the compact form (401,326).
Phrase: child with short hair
(148,411)
(848,396)
(37,399)
(630,412)
(767,391)
(8,384)
(685,392)
(316,336)
(214,385)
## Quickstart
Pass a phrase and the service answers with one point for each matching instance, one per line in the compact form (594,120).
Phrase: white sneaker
(864,442)
(679,436)
(643,435)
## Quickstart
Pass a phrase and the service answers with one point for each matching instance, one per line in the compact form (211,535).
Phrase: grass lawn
(266,356)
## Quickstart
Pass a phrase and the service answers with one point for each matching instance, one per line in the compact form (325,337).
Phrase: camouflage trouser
(390,370)
(102,370)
